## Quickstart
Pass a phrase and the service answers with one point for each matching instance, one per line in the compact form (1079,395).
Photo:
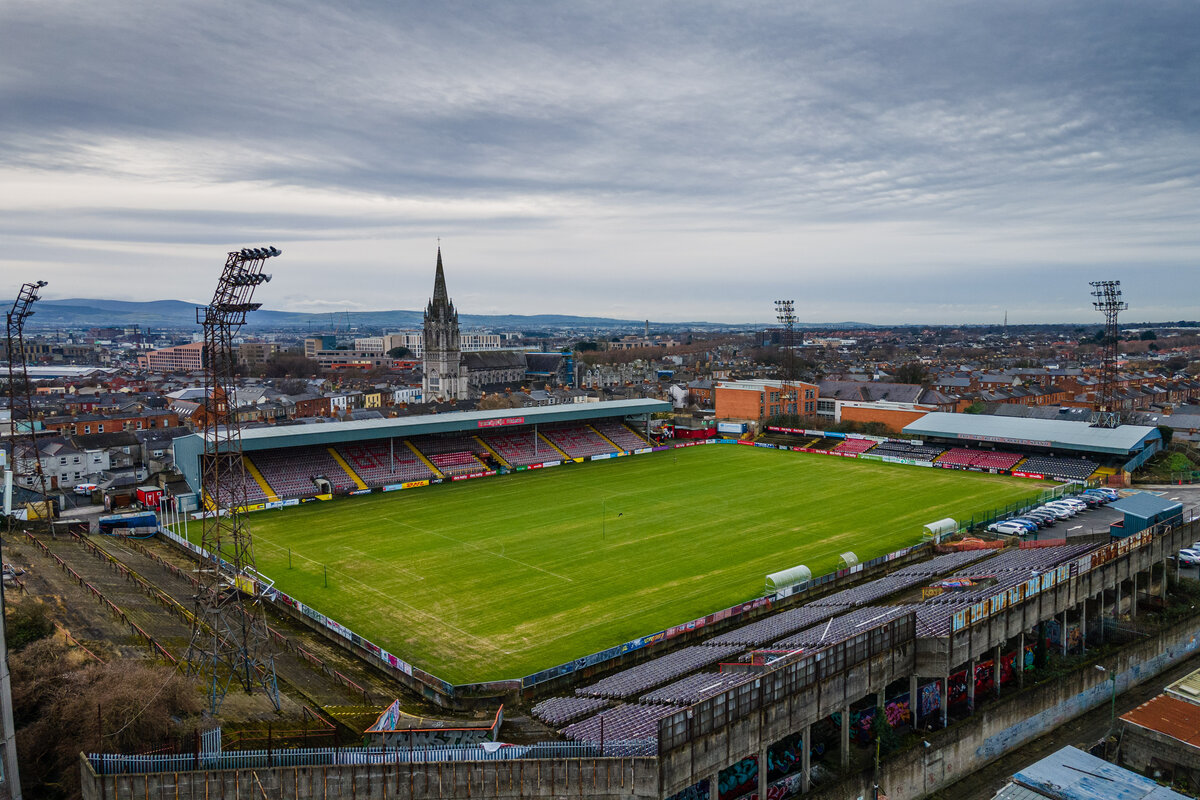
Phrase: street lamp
(1112,717)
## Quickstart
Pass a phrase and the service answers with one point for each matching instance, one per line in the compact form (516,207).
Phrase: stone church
(448,373)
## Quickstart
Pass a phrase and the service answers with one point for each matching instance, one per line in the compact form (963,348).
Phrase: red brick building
(760,399)
(86,424)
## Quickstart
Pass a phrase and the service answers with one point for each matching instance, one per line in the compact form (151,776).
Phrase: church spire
(440,296)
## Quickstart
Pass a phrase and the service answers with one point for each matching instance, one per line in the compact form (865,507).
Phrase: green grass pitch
(501,577)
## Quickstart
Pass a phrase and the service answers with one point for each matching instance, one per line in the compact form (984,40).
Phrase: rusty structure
(27,464)
(229,640)
(1107,410)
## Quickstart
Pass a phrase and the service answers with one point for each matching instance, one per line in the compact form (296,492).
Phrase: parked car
(1189,557)
(1103,497)
(1071,502)
(1111,494)
(1045,518)
(1091,499)
(1025,519)
(1008,528)
(1063,510)
(86,488)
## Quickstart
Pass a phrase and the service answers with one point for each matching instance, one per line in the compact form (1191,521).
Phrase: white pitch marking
(482,549)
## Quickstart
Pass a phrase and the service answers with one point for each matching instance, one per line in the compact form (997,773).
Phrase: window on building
(808,407)
(808,394)
(87,428)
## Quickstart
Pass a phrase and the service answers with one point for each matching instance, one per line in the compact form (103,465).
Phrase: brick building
(87,424)
(760,399)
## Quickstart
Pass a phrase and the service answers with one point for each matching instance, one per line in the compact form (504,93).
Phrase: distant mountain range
(75,313)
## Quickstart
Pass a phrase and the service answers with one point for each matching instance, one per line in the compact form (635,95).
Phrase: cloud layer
(920,162)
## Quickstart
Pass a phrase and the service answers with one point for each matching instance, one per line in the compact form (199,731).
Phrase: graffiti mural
(742,777)
(985,681)
(1029,656)
(697,791)
(1008,669)
(957,692)
(784,756)
(899,711)
(931,699)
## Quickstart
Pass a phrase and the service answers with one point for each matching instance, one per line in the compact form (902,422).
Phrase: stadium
(484,587)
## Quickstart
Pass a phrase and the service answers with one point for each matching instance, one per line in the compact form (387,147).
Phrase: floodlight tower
(785,312)
(26,461)
(1108,302)
(229,632)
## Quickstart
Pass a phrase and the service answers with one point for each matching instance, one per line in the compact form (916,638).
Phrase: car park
(1044,518)
(1111,494)
(1103,497)
(1071,502)
(1091,499)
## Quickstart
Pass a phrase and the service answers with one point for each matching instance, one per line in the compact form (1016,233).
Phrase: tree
(587,347)
(974,408)
(290,365)
(1166,432)
(399,352)
(1148,336)
(911,372)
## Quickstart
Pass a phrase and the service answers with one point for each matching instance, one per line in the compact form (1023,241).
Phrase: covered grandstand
(1066,449)
(285,462)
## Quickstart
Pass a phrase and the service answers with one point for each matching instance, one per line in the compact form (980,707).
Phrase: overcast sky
(880,162)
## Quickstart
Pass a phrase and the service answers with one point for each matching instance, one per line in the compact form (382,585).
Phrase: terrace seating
(253,493)
(634,721)
(460,463)
(1078,469)
(855,446)
(902,449)
(561,710)
(828,443)
(984,459)
(658,671)
(453,455)
(291,471)
(379,465)
(520,448)
(621,435)
(578,441)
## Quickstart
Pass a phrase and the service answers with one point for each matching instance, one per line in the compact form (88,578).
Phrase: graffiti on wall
(985,681)
(931,698)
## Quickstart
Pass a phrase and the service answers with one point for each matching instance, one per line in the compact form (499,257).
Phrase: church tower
(443,373)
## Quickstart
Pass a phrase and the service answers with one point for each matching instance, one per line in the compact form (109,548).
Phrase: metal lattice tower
(785,312)
(1107,413)
(27,464)
(229,633)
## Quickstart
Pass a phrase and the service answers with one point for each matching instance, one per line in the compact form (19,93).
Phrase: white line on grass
(393,599)
(482,549)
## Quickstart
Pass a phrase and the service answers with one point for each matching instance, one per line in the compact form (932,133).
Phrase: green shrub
(25,624)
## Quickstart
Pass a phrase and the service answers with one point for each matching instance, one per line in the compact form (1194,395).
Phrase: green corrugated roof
(451,422)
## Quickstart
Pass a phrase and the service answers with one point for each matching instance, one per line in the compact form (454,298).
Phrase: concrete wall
(996,729)
(603,779)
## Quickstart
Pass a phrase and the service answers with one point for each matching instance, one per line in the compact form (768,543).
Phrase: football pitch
(501,577)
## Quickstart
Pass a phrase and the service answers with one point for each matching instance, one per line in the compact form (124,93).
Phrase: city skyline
(930,164)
